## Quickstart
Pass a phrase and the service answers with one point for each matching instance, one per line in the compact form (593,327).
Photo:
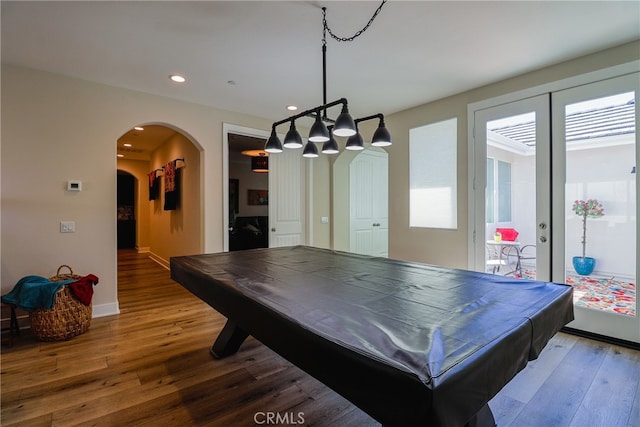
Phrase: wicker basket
(67,318)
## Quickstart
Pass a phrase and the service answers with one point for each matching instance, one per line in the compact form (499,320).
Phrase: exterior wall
(600,174)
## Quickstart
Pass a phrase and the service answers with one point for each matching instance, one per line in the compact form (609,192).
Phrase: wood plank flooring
(150,365)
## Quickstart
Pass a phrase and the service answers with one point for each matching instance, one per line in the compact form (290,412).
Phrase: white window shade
(433,175)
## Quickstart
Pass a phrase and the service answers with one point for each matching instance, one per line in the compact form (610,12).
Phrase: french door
(540,164)
(511,163)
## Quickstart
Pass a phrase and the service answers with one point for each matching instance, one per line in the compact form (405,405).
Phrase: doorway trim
(228,128)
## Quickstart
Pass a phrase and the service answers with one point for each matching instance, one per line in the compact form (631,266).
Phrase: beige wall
(168,233)
(247,180)
(55,129)
(177,232)
(449,247)
(321,201)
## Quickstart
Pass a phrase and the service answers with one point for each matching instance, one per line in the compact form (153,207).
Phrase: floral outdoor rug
(600,293)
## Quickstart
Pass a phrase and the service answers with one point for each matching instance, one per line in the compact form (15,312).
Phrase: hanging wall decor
(154,184)
(172,185)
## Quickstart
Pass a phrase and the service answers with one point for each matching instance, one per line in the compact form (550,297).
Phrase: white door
(595,148)
(586,154)
(512,156)
(286,198)
(369,219)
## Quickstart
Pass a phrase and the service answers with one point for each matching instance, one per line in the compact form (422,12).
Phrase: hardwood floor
(150,365)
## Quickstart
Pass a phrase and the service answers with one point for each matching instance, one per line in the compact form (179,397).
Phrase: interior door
(286,199)
(595,153)
(368,192)
(512,189)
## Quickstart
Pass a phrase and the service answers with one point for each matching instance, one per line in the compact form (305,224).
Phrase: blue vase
(584,266)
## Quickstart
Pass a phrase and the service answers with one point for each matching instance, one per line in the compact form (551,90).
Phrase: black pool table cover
(408,343)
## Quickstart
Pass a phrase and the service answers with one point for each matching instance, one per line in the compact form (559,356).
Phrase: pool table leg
(228,341)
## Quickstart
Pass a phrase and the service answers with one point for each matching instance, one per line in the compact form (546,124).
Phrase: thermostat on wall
(74,186)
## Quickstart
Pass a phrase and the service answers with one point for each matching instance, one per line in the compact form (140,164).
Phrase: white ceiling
(415,51)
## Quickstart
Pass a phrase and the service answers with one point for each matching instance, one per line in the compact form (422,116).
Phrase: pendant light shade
(273,145)
(260,164)
(318,132)
(310,150)
(293,138)
(381,137)
(331,146)
(355,142)
(345,126)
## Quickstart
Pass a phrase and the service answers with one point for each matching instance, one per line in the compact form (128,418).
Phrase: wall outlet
(67,226)
(324,220)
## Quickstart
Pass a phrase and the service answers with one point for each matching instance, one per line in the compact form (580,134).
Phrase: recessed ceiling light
(292,107)
(138,128)
(120,155)
(127,145)
(177,78)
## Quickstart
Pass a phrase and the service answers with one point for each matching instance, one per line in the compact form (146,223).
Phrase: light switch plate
(67,226)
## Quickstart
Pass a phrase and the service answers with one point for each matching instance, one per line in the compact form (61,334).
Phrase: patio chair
(495,259)
(515,255)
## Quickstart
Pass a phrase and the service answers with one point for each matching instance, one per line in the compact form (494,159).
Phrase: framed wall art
(258,197)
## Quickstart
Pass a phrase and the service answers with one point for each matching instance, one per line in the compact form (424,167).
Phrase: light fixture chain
(353,37)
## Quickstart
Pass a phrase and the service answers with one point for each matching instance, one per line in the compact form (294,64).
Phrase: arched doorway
(126,214)
(164,229)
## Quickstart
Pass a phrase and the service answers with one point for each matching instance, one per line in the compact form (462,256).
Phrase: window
(498,202)
(433,172)
(490,203)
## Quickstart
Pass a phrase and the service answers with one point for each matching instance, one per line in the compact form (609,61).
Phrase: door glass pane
(511,196)
(600,203)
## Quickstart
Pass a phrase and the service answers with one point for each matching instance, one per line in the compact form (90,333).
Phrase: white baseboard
(104,310)
(163,262)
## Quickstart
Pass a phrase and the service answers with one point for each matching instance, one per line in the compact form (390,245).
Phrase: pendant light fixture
(293,138)
(260,164)
(343,126)
(331,146)
(259,160)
